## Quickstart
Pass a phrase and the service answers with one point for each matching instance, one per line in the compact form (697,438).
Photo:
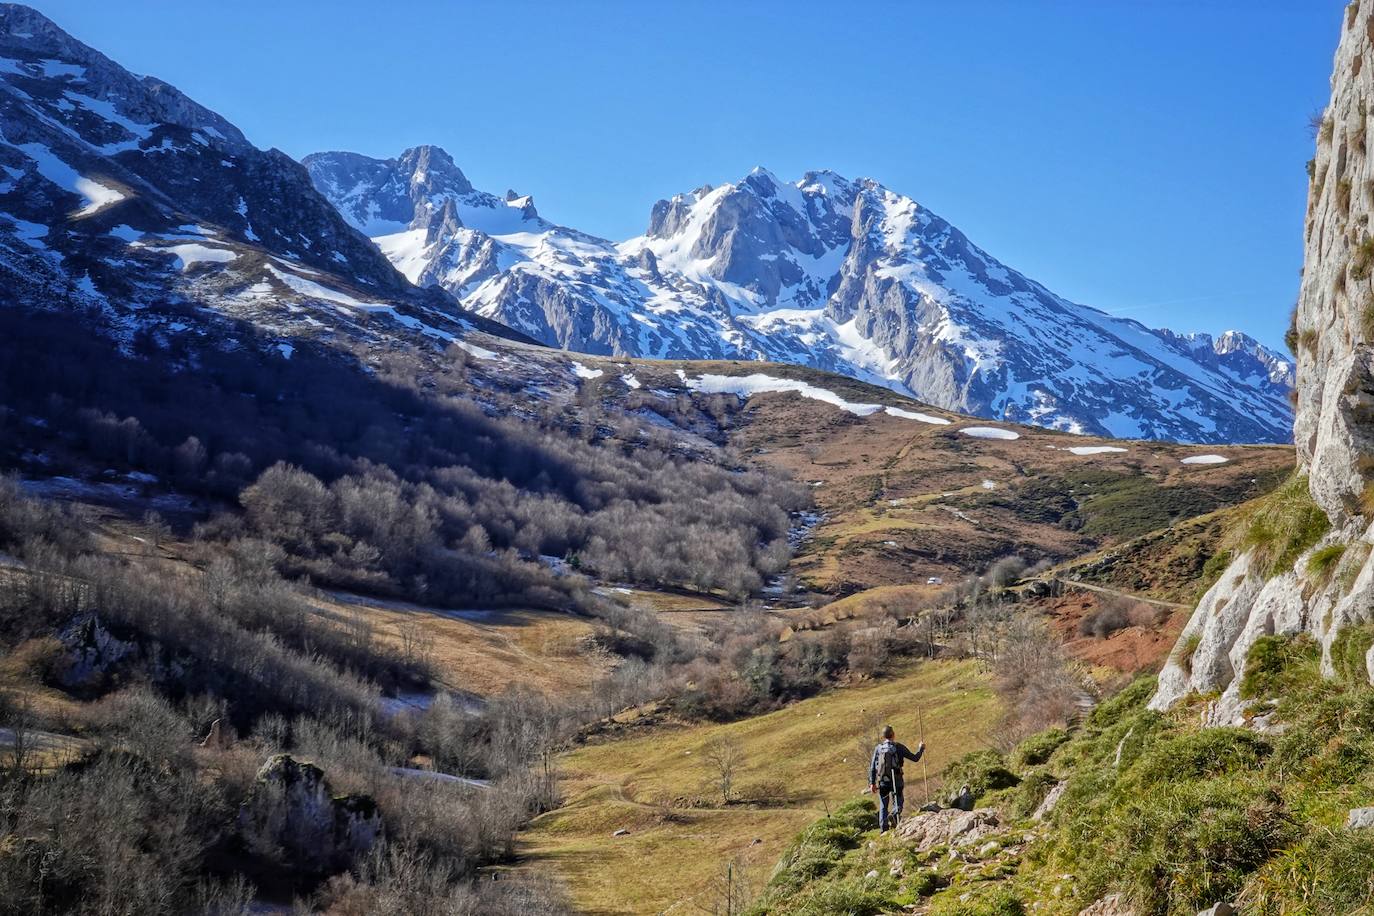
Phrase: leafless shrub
(724,757)
(1037,683)
(1117,614)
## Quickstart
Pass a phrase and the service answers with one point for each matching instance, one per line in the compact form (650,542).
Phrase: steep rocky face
(1333,335)
(381,196)
(291,817)
(123,199)
(843,275)
(1334,322)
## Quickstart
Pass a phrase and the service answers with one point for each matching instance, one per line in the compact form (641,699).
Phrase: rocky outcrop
(948,827)
(1360,819)
(93,653)
(1050,801)
(292,819)
(1333,336)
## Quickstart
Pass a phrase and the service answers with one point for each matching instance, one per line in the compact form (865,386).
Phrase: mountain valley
(370,544)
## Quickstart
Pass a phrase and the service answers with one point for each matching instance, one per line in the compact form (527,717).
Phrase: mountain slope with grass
(1241,779)
(1147,814)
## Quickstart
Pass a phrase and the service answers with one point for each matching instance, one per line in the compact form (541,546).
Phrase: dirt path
(1116,592)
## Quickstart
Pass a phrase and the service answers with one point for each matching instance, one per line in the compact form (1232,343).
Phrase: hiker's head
(888,733)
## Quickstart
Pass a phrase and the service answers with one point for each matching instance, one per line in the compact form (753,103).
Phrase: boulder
(1360,819)
(964,800)
(1218,909)
(93,652)
(1046,807)
(950,827)
(292,819)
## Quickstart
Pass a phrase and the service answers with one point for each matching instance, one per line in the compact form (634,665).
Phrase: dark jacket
(903,753)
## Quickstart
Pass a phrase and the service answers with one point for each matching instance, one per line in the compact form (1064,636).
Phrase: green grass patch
(1348,653)
(1186,650)
(1031,792)
(1331,873)
(1321,565)
(982,771)
(1211,570)
(992,901)
(821,846)
(1037,749)
(1362,259)
(1204,754)
(1283,525)
(1276,665)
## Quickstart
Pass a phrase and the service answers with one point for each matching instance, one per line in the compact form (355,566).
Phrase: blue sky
(1142,156)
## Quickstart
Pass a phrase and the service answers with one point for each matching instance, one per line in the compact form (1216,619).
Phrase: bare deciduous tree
(725,757)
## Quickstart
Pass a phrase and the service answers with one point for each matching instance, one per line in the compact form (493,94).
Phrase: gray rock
(1111,905)
(1050,802)
(950,827)
(93,653)
(1360,819)
(1218,909)
(292,818)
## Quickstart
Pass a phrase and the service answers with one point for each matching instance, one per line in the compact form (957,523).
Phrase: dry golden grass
(484,652)
(906,500)
(815,748)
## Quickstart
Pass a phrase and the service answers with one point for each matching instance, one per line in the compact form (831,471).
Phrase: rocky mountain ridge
(123,200)
(842,275)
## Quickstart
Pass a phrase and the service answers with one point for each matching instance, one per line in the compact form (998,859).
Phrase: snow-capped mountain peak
(845,275)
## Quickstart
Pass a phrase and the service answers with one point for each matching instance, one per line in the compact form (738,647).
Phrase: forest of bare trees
(395,479)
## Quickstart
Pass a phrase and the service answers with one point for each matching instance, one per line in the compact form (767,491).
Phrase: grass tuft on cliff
(1283,525)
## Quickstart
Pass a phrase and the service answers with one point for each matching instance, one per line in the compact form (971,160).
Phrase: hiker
(885,775)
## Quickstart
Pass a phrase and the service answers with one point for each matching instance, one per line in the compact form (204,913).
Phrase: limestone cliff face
(1334,426)
(1333,336)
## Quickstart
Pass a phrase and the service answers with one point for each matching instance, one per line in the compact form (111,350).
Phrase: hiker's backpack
(889,762)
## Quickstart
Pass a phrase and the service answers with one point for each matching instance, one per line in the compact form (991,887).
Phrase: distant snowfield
(479,352)
(407,250)
(990,432)
(95,196)
(346,304)
(759,383)
(1093,449)
(312,290)
(1205,459)
(582,371)
(747,385)
(190,254)
(913,415)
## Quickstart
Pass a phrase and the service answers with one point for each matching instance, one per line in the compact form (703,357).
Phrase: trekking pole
(925,772)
